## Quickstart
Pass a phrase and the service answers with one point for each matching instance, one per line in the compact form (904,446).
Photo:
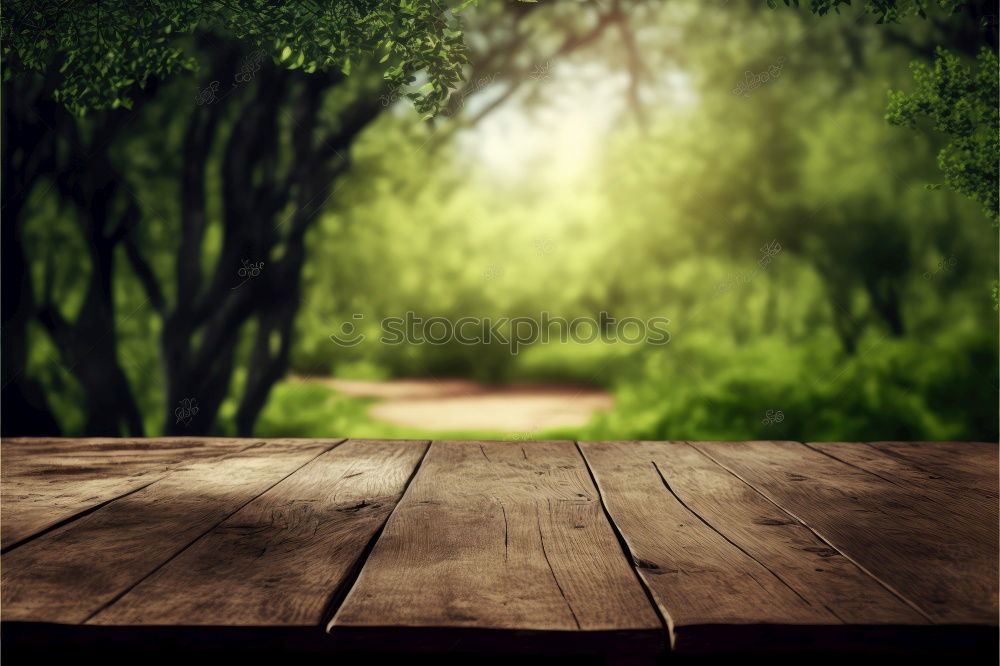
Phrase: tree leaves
(102,50)
(961,102)
(887,11)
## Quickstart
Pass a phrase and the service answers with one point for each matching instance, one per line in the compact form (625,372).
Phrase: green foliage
(667,222)
(766,390)
(887,11)
(961,103)
(670,222)
(103,50)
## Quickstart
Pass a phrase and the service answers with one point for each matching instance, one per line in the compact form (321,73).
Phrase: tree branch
(142,268)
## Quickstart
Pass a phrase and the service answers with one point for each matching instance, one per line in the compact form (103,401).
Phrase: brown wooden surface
(282,558)
(971,465)
(49,481)
(73,572)
(716,554)
(915,545)
(954,497)
(502,546)
(501,543)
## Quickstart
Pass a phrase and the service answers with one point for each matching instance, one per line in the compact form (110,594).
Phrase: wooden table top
(613,548)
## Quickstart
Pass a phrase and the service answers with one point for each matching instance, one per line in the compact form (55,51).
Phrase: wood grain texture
(282,558)
(72,572)
(717,554)
(969,502)
(729,569)
(499,546)
(896,533)
(45,482)
(972,465)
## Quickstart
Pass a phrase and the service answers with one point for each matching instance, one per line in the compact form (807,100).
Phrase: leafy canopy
(959,100)
(887,11)
(102,50)
(961,103)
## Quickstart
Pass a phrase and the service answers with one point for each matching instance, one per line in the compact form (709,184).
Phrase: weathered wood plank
(970,502)
(279,560)
(730,570)
(499,547)
(975,465)
(72,572)
(488,554)
(46,482)
(895,533)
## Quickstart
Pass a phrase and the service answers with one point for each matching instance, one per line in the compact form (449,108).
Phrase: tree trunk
(89,344)
(28,156)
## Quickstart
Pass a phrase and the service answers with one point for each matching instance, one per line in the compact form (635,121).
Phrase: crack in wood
(731,542)
(505,528)
(545,554)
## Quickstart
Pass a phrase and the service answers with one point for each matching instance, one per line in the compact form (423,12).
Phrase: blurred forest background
(196,197)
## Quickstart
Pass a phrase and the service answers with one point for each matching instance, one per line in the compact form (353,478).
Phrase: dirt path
(456,404)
